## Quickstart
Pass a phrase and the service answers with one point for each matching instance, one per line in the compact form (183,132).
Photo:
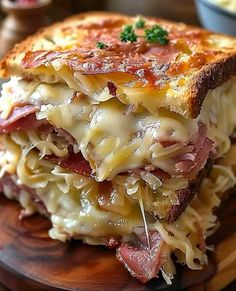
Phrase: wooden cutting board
(30,260)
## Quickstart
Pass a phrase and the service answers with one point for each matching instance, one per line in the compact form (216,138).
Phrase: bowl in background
(215,18)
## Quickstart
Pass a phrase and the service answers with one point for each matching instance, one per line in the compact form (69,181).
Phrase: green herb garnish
(128,34)
(157,34)
(154,34)
(140,23)
(101,45)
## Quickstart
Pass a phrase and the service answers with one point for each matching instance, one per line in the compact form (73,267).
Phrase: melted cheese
(109,139)
(115,142)
(21,158)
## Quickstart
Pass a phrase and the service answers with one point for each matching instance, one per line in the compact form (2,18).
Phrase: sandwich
(120,130)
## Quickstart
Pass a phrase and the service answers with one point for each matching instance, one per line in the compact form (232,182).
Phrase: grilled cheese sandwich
(121,144)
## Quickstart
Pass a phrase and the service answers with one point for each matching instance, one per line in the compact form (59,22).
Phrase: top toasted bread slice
(176,76)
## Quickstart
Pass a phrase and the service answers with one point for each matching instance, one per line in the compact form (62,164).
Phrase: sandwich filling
(111,174)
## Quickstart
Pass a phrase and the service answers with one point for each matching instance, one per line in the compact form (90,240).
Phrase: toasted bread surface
(193,62)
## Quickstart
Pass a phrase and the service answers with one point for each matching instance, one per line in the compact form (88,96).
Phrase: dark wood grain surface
(30,260)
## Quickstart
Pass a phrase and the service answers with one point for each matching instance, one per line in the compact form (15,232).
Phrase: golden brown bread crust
(209,79)
(193,62)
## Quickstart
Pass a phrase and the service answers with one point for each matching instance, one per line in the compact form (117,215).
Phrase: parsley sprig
(157,34)
(128,34)
(140,23)
(101,45)
(154,34)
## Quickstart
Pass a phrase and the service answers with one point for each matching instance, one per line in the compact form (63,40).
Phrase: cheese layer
(114,140)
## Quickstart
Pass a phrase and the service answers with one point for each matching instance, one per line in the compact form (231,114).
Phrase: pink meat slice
(141,261)
(74,162)
(189,164)
(21,118)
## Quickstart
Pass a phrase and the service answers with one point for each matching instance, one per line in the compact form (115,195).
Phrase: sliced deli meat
(190,163)
(74,162)
(140,259)
(21,118)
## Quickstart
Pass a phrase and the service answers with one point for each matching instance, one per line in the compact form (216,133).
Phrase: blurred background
(183,10)
(20,18)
